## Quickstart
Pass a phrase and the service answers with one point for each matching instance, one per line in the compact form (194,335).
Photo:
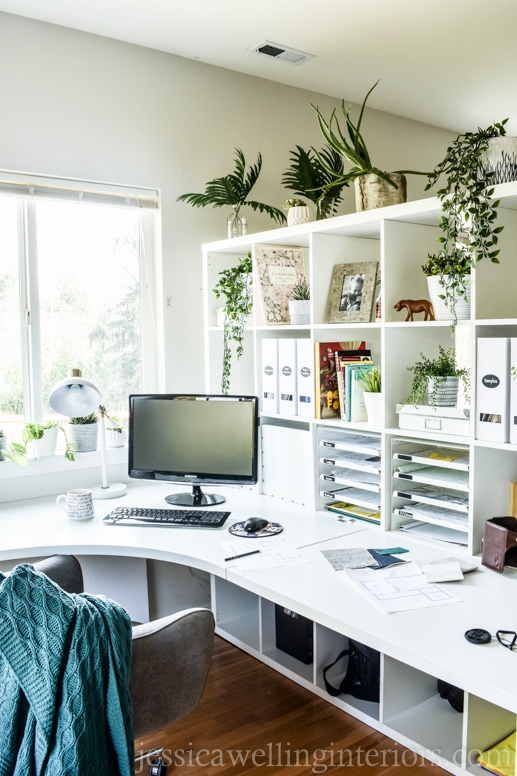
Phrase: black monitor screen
(192,438)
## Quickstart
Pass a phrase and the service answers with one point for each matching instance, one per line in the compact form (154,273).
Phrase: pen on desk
(244,554)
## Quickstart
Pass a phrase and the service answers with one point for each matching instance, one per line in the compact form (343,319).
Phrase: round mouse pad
(237,529)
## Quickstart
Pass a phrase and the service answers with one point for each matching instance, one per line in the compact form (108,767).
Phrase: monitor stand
(195,499)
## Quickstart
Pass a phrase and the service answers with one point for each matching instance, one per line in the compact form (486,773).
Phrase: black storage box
(294,634)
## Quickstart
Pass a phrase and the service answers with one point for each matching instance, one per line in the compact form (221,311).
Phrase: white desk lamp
(75,397)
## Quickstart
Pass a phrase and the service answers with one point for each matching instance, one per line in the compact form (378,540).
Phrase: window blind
(43,187)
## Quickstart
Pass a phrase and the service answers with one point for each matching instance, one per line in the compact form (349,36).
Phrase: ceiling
(451,63)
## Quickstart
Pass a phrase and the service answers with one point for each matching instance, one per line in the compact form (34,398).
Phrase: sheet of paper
(273,551)
(399,588)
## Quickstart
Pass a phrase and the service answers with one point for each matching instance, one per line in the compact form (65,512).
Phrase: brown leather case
(500,543)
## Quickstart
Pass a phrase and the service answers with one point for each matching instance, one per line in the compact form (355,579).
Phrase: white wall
(82,106)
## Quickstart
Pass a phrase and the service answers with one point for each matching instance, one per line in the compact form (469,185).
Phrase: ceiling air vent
(282,53)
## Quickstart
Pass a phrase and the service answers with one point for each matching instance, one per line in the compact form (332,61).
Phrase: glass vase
(237,224)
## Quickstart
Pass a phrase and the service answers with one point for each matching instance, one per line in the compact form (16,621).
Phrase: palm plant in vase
(233,190)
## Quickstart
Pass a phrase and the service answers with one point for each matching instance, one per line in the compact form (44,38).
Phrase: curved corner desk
(417,647)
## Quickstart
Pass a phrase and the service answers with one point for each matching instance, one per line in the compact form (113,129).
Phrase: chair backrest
(171,656)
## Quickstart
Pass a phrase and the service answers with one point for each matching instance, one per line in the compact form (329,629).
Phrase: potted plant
(115,434)
(373,187)
(313,176)
(298,212)
(469,212)
(82,433)
(299,304)
(14,452)
(44,439)
(438,378)
(236,284)
(373,399)
(448,281)
(233,190)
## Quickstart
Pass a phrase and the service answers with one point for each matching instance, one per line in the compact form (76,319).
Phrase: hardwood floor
(252,717)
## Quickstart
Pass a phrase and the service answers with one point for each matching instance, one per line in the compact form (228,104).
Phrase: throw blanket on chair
(65,662)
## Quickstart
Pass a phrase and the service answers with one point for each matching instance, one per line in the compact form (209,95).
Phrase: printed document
(399,588)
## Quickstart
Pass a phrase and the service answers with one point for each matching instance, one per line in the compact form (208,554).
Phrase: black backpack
(362,676)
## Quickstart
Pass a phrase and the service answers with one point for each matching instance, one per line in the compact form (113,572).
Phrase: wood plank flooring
(252,717)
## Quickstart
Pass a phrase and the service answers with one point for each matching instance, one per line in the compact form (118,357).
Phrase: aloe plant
(233,190)
(352,148)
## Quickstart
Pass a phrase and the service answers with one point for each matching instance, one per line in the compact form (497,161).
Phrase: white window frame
(28,189)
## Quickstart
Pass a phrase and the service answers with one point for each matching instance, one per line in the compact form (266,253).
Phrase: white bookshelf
(399,239)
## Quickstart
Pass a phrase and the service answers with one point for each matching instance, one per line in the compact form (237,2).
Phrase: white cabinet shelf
(295,466)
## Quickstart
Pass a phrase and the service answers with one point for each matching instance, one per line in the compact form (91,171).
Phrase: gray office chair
(171,657)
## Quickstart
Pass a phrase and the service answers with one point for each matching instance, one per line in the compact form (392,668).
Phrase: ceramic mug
(78,504)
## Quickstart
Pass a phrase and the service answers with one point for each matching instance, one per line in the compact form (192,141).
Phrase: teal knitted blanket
(65,662)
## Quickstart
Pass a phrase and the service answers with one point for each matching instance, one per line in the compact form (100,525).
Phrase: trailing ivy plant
(233,190)
(236,285)
(469,212)
(438,369)
(313,176)
(32,431)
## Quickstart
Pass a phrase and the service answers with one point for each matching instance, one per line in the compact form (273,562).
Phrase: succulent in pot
(299,304)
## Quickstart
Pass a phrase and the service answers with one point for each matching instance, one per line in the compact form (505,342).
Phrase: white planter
(299,215)
(299,311)
(374,403)
(501,159)
(3,445)
(446,394)
(443,312)
(115,438)
(82,436)
(46,446)
(372,192)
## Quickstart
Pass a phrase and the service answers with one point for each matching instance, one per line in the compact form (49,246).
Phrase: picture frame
(351,292)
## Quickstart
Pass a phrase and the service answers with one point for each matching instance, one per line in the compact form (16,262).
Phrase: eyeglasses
(507,639)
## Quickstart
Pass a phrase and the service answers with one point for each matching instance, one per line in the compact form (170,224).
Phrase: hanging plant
(469,212)
(236,284)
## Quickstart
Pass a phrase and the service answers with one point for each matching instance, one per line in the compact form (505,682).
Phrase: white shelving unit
(399,239)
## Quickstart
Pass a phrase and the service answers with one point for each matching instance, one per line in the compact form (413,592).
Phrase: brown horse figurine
(416,306)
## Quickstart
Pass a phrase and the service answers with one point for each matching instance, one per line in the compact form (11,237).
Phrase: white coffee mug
(78,504)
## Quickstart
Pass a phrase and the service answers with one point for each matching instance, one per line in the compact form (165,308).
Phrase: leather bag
(500,543)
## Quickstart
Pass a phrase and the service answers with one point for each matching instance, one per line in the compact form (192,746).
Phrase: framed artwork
(351,292)
(279,269)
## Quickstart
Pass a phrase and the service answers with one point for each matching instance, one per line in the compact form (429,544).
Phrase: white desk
(417,646)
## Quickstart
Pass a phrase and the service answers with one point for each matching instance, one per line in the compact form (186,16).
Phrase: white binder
(493,389)
(305,377)
(269,383)
(287,376)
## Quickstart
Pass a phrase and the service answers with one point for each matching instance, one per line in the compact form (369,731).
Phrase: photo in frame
(351,292)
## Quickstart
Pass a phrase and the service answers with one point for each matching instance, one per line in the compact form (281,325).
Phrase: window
(76,290)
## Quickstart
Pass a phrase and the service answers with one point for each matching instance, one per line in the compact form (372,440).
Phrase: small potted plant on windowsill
(115,434)
(44,439)
(300,305)
(437,378)
(82,433)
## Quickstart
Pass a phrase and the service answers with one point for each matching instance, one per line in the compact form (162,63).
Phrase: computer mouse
(255,524)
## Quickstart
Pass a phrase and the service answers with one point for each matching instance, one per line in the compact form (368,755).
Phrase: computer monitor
(196,439)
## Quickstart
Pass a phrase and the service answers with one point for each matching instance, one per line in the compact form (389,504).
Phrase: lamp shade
(75,397)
